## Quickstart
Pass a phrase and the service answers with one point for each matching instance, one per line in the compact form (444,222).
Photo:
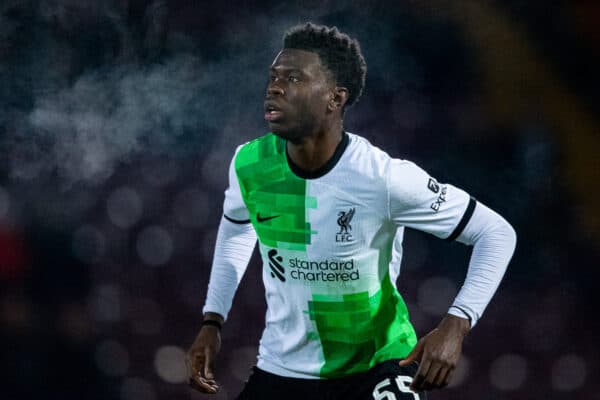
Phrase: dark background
(118,120)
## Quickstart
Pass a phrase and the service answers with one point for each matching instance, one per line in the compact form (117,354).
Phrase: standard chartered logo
(277,269)
(316,271)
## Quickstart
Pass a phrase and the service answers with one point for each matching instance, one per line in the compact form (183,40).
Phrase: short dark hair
(338,52)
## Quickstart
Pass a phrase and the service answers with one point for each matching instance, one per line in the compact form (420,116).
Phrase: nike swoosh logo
(263,219)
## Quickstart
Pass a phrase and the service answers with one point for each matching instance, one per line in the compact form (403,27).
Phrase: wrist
(213,319)
(211,322)
(459,324)
(212,316)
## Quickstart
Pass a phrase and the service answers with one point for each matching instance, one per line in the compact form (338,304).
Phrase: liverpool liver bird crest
(344,218)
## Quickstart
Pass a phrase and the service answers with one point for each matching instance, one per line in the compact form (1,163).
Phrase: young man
(326,207)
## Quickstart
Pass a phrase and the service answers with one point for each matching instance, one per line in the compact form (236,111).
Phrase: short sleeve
(419,201)
(234,208)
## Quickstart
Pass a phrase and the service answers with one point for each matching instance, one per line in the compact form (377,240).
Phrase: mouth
(272,112)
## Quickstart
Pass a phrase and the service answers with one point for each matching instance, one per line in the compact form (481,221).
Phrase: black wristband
(212,322)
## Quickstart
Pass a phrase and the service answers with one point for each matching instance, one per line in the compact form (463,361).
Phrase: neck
(312,152)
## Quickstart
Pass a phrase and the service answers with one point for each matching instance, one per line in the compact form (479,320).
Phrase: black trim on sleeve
(466,314)
(236,221)
(464,220)
(212,322)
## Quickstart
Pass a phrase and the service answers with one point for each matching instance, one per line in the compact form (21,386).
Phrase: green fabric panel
(358,331)
(269,188)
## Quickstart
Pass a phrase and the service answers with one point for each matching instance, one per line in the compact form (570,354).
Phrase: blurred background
(118,120)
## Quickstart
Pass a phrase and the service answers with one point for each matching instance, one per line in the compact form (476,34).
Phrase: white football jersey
(326,239)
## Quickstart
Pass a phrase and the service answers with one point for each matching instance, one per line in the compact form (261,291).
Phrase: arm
(493,241)
(418,201)
(233,248)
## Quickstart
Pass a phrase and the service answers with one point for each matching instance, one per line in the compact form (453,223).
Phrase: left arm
(493,241)
(418,201)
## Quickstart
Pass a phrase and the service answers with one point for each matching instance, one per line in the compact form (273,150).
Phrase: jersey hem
(272,368)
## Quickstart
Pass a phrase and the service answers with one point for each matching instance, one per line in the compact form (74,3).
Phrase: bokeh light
(460,375)
(569,372)
(191,207)
(169,363)
(160,173)
(435,295)
(508,372)
(154,246)
(124,207)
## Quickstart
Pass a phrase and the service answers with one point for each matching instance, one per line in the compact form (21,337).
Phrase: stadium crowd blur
(117,123)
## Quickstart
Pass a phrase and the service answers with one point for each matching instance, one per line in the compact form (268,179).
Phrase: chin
(293,135)
(283,133)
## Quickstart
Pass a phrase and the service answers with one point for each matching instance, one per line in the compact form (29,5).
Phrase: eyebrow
(286,69)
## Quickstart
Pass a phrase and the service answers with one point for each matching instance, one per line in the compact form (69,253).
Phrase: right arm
(233,248)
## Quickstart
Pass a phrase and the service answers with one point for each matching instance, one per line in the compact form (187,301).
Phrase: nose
(275,90)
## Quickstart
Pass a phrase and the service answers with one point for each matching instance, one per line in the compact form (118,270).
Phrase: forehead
(303,60)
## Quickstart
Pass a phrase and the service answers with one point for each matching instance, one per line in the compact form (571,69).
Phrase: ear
(339,97)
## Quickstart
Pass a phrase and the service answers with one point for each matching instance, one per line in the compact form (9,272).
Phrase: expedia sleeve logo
(433,185)
(436,188)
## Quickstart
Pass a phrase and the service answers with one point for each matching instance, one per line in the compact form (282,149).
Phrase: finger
(432,375)
(208,364)
(414,355)
(201,385)
(421,374)
(449,376)
(202,379)
(194,362)
(441,378)
(200,382)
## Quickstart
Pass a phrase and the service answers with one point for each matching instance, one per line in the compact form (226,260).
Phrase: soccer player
(327,207)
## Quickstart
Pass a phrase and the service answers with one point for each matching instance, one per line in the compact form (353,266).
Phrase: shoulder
(367,157)
(403,176)
(258,149)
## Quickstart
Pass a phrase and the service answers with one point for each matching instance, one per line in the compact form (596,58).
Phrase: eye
(293,79)
(272,78)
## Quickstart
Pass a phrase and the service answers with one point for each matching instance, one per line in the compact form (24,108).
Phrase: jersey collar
(328,166)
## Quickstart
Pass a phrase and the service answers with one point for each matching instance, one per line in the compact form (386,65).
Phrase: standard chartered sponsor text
(323,271)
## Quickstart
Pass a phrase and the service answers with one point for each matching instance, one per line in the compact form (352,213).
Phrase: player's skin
(309,114)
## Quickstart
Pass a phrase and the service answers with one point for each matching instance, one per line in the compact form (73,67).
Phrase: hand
(201,356)
(438,353)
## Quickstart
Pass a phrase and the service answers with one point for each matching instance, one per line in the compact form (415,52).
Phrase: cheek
(318,103)
(323,99)
(311,105)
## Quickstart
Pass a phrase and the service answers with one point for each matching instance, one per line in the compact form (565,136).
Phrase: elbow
(508,234)
(502,234)
(512,234)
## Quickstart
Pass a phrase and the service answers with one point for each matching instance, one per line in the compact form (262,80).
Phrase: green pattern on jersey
(269,189)
(358,331)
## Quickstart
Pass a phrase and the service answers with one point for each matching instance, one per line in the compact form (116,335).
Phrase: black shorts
(385,381)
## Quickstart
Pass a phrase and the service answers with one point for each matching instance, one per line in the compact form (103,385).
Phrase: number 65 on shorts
(387,389)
